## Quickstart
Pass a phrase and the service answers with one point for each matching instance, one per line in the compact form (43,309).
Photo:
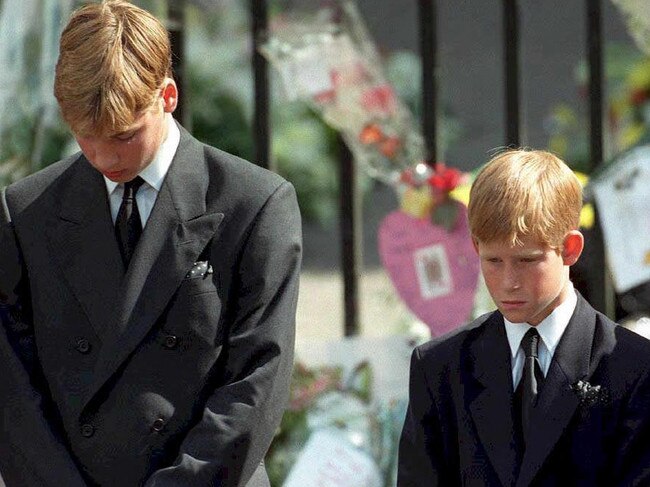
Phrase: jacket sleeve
(633,443)
(420,459)
(32,454)
(240,418)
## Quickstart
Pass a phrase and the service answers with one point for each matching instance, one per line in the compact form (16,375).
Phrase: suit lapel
(82,241)
(176,233)
(489,405)
(557,401)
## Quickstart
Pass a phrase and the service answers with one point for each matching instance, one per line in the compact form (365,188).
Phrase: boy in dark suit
(152,282)
(545,391)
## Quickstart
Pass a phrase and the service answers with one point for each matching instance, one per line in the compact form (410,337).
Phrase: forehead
(505,248)
(100,133)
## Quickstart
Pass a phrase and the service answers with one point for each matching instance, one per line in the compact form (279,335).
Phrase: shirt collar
(550,328)
(154,174)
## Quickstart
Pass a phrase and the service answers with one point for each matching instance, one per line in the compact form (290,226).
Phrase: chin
(516,317)
(117,176)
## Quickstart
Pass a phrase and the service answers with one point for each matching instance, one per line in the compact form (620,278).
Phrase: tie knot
(530,343)
(132,187)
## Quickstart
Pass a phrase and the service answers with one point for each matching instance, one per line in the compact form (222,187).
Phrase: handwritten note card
(623,200)
(328,460)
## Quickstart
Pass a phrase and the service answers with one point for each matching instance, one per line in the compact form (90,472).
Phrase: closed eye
(126,136)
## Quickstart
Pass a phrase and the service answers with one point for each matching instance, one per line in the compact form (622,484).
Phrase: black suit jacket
(154,376)
(459,427)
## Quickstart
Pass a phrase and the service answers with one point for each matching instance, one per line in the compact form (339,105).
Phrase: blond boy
(152,282)
(544,391)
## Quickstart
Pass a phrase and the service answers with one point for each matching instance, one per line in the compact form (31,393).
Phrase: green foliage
(304,150)
(307,385)
(28,145)
(404,71)
(627,121)
(31,133)
(218,118)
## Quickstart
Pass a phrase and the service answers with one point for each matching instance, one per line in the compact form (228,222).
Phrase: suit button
(87,430)
(158,424)
(83,346)
(171,341)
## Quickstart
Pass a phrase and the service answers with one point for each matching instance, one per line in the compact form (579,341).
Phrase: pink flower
(325,97)
(379,99)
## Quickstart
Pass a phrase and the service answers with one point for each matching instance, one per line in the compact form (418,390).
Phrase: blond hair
(523,193)
(113,60)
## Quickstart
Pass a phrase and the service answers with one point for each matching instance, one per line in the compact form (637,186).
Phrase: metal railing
(597,292)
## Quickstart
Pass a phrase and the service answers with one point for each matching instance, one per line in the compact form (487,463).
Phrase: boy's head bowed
(525,193)
(113,61)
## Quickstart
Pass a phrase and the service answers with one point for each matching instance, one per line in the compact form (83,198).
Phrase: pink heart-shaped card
(434,271)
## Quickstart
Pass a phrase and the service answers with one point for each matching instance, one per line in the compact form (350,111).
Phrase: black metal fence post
(261,124)
(595,56)
(350,218)
(511,70)
(601,290)
(428,55)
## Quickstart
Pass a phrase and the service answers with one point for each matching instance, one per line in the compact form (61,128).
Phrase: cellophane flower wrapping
(327,59)
(324,399)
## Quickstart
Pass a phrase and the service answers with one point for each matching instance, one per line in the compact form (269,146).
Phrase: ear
(572,247)
(169,95)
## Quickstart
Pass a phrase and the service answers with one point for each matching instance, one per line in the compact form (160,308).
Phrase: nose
(511,277)
(104,157)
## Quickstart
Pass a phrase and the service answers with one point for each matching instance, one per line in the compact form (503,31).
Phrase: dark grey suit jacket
(459,429)
(154,376)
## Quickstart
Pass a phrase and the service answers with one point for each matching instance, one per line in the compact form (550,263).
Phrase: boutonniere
(589,394)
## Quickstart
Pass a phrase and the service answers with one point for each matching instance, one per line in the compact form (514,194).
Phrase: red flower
(639,96)
(407,177)
(445,179)
(390,146)
(371,134)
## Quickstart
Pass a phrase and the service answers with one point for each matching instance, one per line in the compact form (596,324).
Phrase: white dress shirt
(550,330)
(153,175)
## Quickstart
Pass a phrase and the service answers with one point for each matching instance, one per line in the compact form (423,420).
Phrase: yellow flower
(639,77)
(417,202)
(559,144)
(631,135)
(587,216)
(461,193)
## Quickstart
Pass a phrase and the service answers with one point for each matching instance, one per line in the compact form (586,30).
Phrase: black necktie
(531,379)
(128,226)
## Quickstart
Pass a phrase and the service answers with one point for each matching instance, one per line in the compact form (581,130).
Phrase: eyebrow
(517,255)
(532,253)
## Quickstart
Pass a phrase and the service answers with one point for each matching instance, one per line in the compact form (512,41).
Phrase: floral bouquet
(628,117)
(637,15)
(328,60)
(323,400)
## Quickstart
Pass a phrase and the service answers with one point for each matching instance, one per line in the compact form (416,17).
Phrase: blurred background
(347,286)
